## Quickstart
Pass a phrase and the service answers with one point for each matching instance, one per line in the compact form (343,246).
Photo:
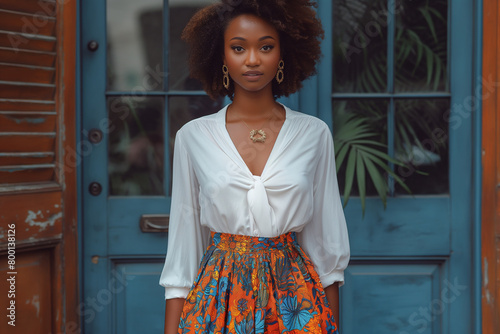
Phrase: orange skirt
(256,285)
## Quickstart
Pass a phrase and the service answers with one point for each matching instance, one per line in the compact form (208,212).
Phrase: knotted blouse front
(213,190)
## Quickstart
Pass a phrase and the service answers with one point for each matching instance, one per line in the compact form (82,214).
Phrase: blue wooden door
(411,262)
(404,70)
(135,95)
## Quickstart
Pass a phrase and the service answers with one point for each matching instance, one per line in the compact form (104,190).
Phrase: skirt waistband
(246,243)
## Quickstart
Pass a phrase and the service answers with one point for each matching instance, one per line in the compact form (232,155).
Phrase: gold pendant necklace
(261,135)
(257,135)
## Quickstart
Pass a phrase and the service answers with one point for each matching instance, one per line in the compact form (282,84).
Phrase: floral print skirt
(256,285)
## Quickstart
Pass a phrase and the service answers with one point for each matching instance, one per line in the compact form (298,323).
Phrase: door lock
(95,188)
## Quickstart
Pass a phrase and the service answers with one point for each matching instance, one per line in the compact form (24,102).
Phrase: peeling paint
(27,120)
(485,273)
(487,292)
(32,216)
(488,297)
(35,301)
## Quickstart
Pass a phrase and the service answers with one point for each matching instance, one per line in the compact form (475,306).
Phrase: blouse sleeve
(325,239)
(187,239)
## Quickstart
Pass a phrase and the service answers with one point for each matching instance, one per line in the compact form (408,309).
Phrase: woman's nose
(253,58)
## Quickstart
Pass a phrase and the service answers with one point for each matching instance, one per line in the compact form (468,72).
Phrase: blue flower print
(259,322)
(243,305)
(209,325)
(293,315)
(223,284)
(210,289)
(244,327)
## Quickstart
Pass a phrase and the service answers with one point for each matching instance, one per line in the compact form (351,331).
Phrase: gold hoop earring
(280,76)
(225,78)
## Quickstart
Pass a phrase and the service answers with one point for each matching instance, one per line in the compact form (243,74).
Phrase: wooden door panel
(490,210)
(30,6)
(28,91)
(403,229)
(136,312)
(26,74)
(38,200)
(25,23)
(37,218)
(11,159)
(34,58)
(26,42)
(34,287)
(396,298)
(28,107)
(29,174)
(27,142)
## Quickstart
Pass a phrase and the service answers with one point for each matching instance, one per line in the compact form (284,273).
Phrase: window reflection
(135,45)
(421,144)
(359,46)
(415,33)
(180,11)
(136,146)
(359,126)
(421,46)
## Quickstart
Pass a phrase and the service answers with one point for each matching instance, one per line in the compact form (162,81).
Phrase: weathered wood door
(38,213)
(490,229)
(136,95)
(411,262)
(406,71)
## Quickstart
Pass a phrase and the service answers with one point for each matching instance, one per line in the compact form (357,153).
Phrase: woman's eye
(267,47)
(237,48)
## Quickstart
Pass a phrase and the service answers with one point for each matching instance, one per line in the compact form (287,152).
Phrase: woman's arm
(173,310)
(332,294)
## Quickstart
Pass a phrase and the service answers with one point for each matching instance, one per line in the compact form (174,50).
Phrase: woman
(256,220)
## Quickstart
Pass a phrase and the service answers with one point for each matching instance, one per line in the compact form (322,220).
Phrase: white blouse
(213,190)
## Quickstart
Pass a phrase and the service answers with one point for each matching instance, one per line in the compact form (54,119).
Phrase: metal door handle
(154,223)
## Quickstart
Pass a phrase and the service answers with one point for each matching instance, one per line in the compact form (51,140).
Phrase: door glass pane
(421,143)
(359,126)
(421,46)
(136,146)
(180,11)
(135,45)
(359,46)
(182,109)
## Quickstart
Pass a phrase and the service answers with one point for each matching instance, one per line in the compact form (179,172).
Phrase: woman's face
(251,52)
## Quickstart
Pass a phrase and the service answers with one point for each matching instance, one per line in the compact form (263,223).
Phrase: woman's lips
(252,75)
